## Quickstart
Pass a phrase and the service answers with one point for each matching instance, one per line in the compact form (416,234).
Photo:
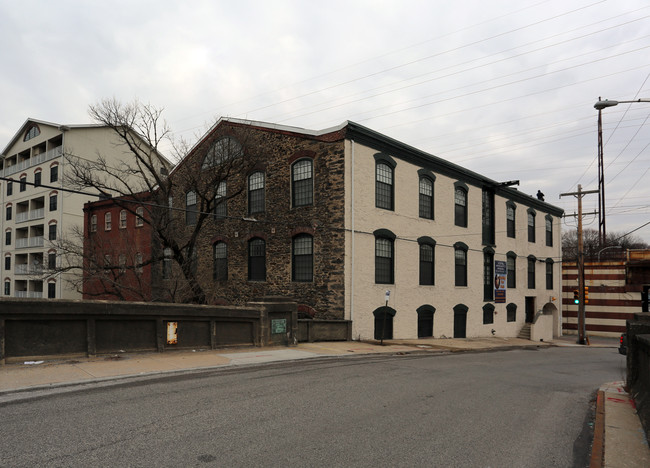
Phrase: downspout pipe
(352,231)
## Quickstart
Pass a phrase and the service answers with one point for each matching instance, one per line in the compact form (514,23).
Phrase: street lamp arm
(600,105)
(610,247)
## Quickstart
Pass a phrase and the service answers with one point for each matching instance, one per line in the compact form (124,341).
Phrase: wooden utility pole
(582,327)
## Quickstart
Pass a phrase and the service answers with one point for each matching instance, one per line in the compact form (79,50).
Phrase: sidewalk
(619,440)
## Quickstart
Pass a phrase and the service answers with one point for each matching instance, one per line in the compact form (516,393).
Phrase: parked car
(622,347)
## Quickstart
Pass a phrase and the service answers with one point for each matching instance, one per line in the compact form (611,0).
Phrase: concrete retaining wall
(40,328)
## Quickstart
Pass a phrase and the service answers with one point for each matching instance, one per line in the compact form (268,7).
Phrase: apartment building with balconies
(39,210)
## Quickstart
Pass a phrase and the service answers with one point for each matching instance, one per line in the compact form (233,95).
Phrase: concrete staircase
(524,333)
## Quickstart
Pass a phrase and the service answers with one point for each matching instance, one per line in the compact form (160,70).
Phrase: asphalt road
(521,408)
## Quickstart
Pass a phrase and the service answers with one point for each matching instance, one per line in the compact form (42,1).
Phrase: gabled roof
(397,149)
(31,121)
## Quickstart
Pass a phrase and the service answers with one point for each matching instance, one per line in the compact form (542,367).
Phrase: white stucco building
(36,212)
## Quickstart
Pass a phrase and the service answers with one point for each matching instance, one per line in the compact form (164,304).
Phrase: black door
(460,324)
(425,324)
(383,326)
(530,309)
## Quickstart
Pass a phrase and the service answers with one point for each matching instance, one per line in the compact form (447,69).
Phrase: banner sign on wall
(500,282)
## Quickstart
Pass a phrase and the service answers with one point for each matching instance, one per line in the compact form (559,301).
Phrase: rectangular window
(426,265)
(488,276)
(531,273)
(54,173)
(167,264)
(510,221)
(53,202)
(37,179)
(549,275)
(10,188)
(139,216)
(220,270)
(138,263)
(51,290)
(8,238)
(7,288)
(256,199)
(8,213)
(460,267)
(384,187)
(303,258)
(549,232)
(190,208)
(460,207)
(220,205)
(488,217)
(123,219)
(7,262)
(426,198)
(52,232)
(512,272)
(257,260)
(302,189)
(108,221)
(51,261)
(384,265)
(93,223)
(23,183)
(531,227)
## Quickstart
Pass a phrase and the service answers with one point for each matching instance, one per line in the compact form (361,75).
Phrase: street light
(600,105)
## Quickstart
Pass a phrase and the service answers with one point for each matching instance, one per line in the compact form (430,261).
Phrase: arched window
(302,261)
(220,265)
(257,259)
(460,205)
(488,314)
(302,183)
(222,150)
(511,312)
(256,199)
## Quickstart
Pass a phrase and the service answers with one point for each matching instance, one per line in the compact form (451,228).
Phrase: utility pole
(582,327)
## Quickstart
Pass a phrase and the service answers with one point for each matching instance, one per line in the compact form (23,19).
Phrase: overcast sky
(503,88)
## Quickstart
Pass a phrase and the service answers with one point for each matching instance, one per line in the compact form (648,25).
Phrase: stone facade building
(336,218)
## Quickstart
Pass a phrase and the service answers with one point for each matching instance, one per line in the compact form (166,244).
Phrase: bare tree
(176,202)
(591,243)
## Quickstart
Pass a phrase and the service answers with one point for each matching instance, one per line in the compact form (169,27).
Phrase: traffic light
(586,294)
(576,296)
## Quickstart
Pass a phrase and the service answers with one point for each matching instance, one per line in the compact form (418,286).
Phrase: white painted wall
(363,296)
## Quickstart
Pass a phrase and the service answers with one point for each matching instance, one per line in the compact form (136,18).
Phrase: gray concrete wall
(40,328)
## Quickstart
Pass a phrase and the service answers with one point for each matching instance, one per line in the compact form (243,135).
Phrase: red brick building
(117,252)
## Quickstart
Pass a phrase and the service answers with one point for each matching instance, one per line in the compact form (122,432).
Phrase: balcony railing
(30,294)
(27,269)
(34,161)
(25,242)
(30,215)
